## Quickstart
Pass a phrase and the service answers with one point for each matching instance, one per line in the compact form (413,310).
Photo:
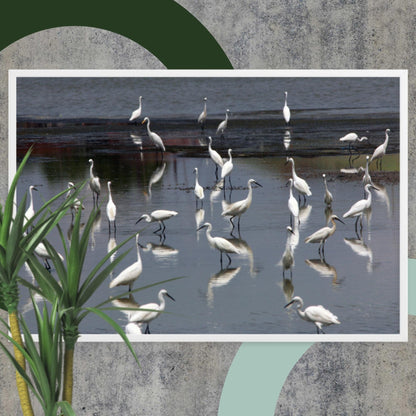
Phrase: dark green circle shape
(163,27)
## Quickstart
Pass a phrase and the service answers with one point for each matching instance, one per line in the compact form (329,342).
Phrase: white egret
(160,215)
(94,184)
(381,150)
(111,209)
(316,314)
(223,125)
(216,158)
(30,212)
(203,116)
(138,112)
(130,273)
(76,204)
(227,168)
(292,204)
(286,110)
(198,190)
(366,177)
(360,207)
(219,243)
(299,184)
(155,138)
(288,258)
(150,311)
(352,138)
(43,253)
(236,209)
(328,198)
(323,234)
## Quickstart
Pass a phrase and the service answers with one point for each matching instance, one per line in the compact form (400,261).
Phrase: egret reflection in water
(219,279)
(359,247)
(323,268)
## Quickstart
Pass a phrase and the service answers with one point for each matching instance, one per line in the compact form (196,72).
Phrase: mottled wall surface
(187,379)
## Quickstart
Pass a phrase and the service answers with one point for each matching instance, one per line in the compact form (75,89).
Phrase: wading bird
(352,138)
(160,215)
(130,273)
(223,125)
(198,190)
(94,184)
(328,198)
(219,243)
(381,150)
(216,158)
(292,204)
(203,116)
(154,137)
(236,209)
(30,212)
(316,314)
(366,177)
(150,311)
(288,258)
(286,111)
(227,168)
(323,234)
(76,204)
(299,184)
(111,210)
(360,207)
(136,113)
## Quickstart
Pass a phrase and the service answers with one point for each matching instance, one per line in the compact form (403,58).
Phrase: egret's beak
(290,230)
(288,304)
(261,186)
(201,227)
(139,219)
(372,187)
(142,122)
(169,296)
(339,219)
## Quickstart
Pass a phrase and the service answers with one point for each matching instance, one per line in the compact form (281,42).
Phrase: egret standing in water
(328,198)
(227,168)
(160,215)
(381,150)
(219,243)
(30,212)
(236,209)
(360,207)
(288,259)
(111,210)
(154,137)
(94,184)
(136,113)
(203,116)
(316,314)
(352,138)
(150,311)
(299,184)
(216,158)
(323,234)
(198,190)
(223,125)
(367,178)
(286,111)
(76,204)
(292,204)
(131,273)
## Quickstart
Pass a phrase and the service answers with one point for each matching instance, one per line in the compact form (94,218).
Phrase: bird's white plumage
(366,177)
(154,137)
(319,315)
(130,273)
(299,184)
(292,202)
(159,215)
(323,233)
(30,212)
(219,243)
(138,112)
(76,204)
(352,138)
(94,180)
(328,198)
(228,166)
(216,158)
(111,208)
(198,190)
(381,150)
(286,110)
(203,116)
(360,206)
(223,125)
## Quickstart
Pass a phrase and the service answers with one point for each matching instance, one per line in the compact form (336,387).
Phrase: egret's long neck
(196,177)
(334,226)
(368,196)
(162,302)
(226,116)
(91,167)
(148,127)
(290,189)
(139,259)
(109,193)
(229,154)
(208,234)
(205,106)
(31,197)
(293,169)
(386,141)
(250,194)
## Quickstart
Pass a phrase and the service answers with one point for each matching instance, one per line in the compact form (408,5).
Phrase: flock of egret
(147,312)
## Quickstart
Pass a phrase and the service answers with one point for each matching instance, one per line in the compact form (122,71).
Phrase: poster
(228,378)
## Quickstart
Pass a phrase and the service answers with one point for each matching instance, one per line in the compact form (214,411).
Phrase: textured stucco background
(185,378)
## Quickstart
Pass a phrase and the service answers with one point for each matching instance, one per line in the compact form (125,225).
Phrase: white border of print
(401,74)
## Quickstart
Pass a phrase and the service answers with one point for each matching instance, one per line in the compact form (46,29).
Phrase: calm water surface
(359,278)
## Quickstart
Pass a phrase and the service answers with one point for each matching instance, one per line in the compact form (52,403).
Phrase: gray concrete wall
(187,379)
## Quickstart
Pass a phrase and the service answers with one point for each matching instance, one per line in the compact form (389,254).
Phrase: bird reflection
(215,193)
(288,260)
(138,141)
(323,268)
(360,248)
(286,139)
(304,213)
(161,251)
(112,243)
(328,214)
(155,177)
(126,305)
(222,278)
(245,251)
(288,288)
(199,219)
(96,226)
(381,193)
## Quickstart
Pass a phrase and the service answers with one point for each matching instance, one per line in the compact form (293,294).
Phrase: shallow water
(358,279)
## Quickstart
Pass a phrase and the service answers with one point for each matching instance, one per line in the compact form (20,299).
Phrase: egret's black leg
(229,260)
